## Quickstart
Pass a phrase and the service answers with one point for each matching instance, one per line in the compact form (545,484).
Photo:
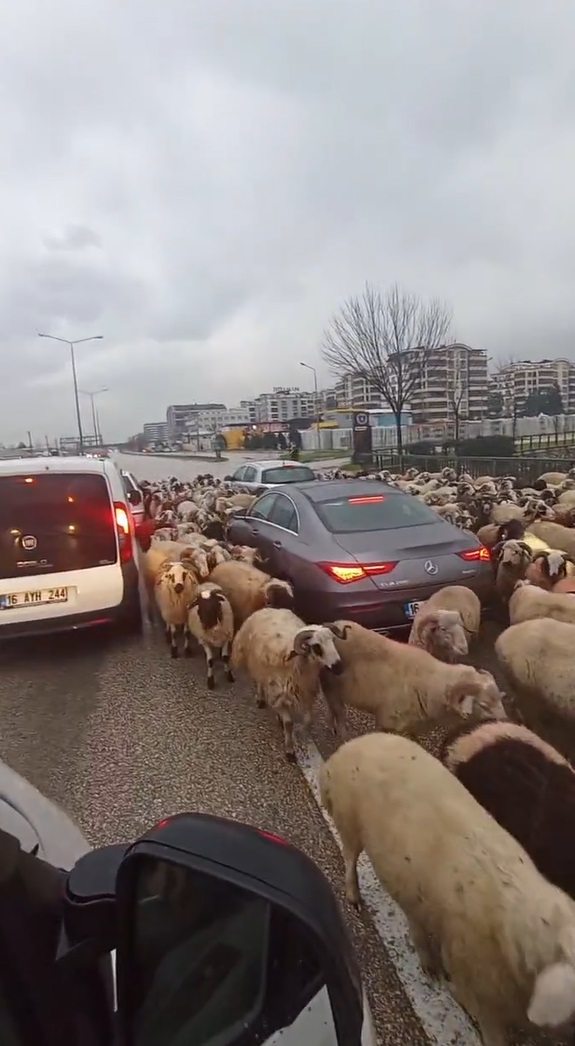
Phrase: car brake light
(365,499)
(473,554)
(345,573)
(122,518)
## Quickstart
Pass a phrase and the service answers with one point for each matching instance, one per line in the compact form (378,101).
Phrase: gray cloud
(203,183)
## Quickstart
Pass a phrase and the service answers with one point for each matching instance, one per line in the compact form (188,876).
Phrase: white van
(68,553)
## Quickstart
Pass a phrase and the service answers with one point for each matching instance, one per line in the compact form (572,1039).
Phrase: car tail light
(345,573)
(122,518)
(472,555)
(365,499)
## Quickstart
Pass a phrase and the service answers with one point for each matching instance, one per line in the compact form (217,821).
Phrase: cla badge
(430,567)
(29,542)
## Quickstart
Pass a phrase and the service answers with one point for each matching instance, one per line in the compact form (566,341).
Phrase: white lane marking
(443,1021)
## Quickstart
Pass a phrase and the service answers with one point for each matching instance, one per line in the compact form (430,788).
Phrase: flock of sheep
(476,844)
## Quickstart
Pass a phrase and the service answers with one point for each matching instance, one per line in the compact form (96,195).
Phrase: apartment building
(283,404)
(180,416)
(356,392)
(452,382)
(155,431)
(516,380)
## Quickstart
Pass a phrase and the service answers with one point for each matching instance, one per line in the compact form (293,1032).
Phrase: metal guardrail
(524,469)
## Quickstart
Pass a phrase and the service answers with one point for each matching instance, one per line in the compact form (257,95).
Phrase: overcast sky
(203,181)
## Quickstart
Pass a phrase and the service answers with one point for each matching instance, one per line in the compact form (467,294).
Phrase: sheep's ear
(291,655)
(194,603)
(552,1000)
(220,597)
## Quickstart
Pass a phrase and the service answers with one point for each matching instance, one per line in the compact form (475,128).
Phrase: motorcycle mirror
(230,936)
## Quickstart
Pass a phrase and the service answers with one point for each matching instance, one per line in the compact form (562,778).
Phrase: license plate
(35,598)
(410,609)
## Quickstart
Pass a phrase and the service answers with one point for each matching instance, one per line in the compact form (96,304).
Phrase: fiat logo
(430,567)
(29,542)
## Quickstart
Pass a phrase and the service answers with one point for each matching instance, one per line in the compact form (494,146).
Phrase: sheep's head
(217,555)
(441,633)
(513,553)
(279,594)
(479,695)
(340,629)
(513,529)
(197,560)
(246,554)
(316,643)
(177,576)
(209,603)
(553,564)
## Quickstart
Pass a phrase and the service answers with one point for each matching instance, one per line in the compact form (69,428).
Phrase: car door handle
(277,544)
(255,530)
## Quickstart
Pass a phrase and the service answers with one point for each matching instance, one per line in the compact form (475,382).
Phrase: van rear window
(55,522)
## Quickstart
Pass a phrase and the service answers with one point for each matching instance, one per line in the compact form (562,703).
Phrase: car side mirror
(228,478)
(134,497)
(227,934)
(238,512)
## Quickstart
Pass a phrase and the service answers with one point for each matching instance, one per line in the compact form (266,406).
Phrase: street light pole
(71,345)
(308,366)
(95,419)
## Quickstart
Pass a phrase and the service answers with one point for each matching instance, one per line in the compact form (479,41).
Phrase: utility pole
(308,366)
(71,345)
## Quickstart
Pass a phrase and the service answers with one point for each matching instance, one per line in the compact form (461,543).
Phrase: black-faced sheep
(477,907)
(211,622)
(527,786)
(284,657)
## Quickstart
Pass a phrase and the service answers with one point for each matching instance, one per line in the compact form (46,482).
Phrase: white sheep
(476,905)
(529,602)
(403,687)
(211,622)
(284,657)
(536,658)
(175,586)
(440,632)
(462,599)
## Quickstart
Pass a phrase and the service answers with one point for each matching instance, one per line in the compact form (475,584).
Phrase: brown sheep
(249,589)
(527,786)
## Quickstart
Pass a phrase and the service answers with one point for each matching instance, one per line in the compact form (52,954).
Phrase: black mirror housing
(200,894)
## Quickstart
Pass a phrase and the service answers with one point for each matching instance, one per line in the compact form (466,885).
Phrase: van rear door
(54,523)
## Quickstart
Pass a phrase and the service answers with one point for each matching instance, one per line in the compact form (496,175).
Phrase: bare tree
(387,340)
(455,394)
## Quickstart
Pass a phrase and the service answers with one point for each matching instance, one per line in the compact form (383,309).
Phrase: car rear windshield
(288,474)
(359,513)
(55,522)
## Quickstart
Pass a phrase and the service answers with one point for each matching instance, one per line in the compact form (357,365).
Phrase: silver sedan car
(258,475)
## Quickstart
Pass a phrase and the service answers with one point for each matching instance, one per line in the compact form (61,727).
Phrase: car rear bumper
(386,611)
(118,612)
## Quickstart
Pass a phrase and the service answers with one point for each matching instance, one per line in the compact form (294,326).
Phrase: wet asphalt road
(120,735)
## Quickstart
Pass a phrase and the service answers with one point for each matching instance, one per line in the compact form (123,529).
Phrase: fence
(525,469)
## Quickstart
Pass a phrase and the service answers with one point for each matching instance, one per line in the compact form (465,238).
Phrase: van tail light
(122,518)
(473,555)
(346,573)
